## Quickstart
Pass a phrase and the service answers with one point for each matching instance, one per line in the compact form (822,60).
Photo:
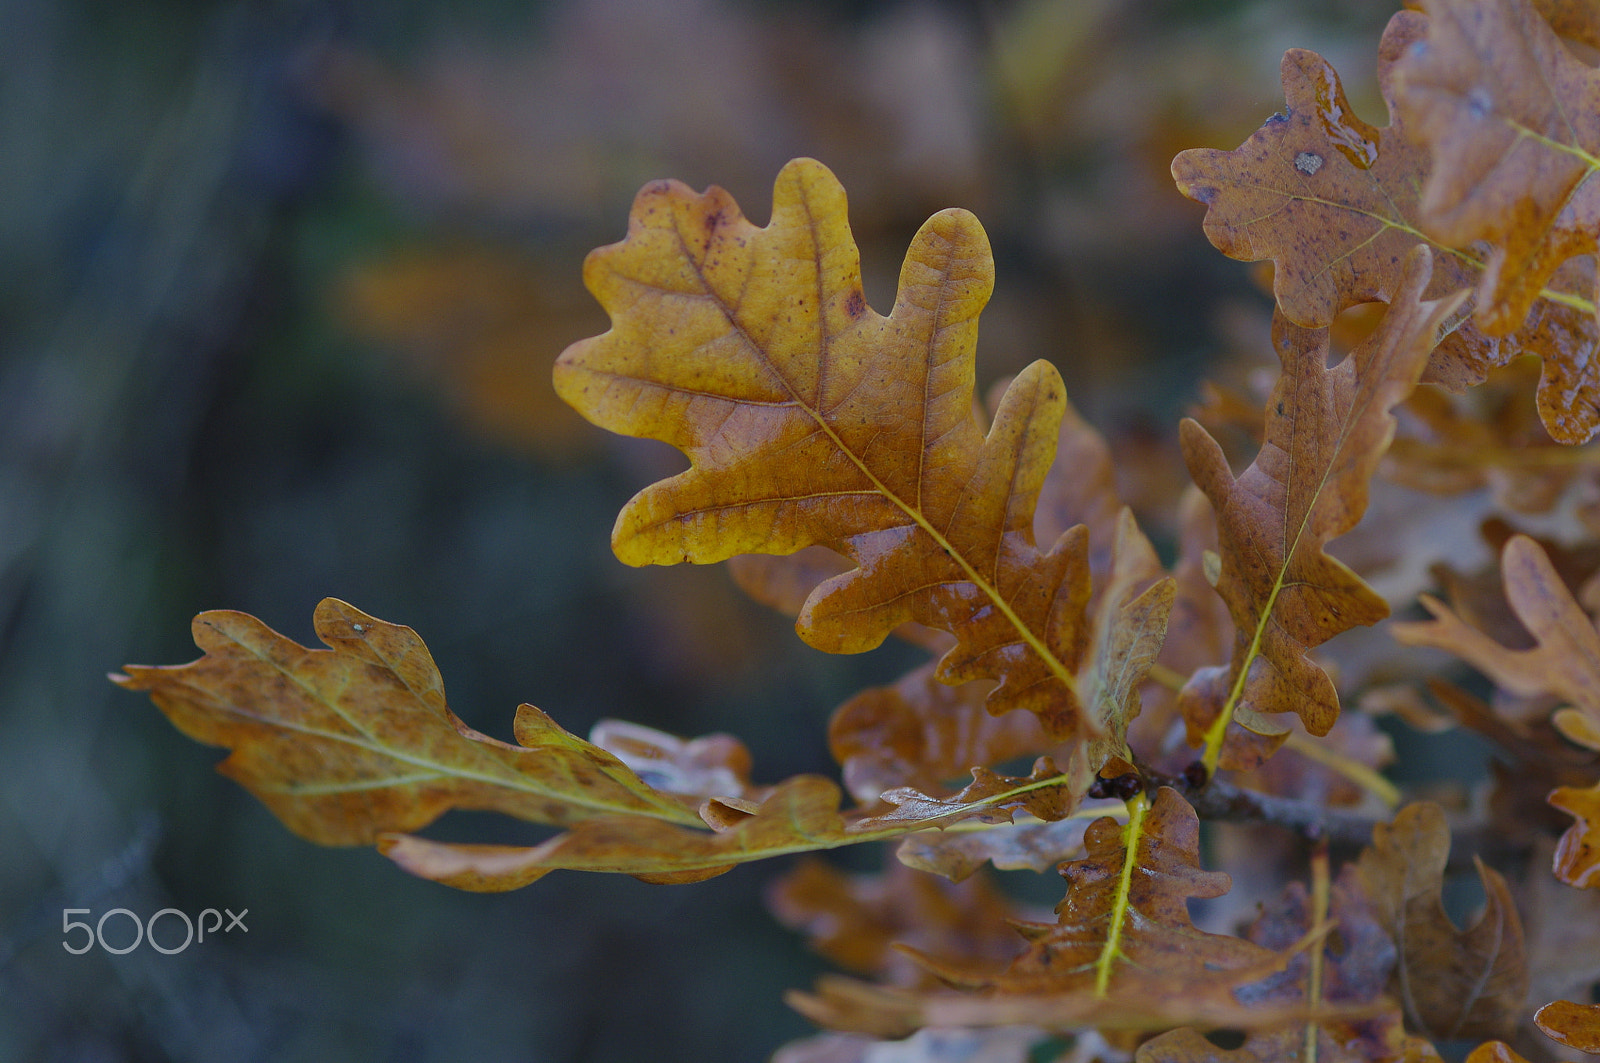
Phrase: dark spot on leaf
(1227,1040)
(855,305)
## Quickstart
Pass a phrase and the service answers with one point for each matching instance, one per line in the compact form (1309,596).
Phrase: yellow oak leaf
(810,419)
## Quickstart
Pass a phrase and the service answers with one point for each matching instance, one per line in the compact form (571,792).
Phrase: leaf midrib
(912,511)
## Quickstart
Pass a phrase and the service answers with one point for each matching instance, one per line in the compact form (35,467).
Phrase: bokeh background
(283,282)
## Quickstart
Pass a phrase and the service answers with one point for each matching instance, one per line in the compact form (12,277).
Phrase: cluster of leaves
(842,462)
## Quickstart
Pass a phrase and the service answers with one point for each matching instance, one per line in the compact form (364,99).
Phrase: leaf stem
(1352,769)
(1319,915)
(1112,950)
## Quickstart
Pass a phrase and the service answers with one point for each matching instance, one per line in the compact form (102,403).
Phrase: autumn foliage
(842,460)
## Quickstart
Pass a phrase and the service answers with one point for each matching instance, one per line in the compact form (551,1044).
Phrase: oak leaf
(1336,204)
(1019,845)
(1351,964)
(345,743)
(810,419)
(856,920)
(1452,983)
(1326,430)
(1510,118)
(921,732)
(799,815)
(1123,953)
(1564,661)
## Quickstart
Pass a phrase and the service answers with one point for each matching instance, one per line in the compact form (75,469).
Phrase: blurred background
(283,283)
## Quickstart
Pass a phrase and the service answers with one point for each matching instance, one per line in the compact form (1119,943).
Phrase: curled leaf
(1452,983)
(1577,859)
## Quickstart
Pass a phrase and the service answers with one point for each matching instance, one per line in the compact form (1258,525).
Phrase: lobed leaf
(1577,857)
(857,921)
(1512,120)
(1565,661)
(345,743)
(1350,965)
(1123,953)
(1326,430)
(1452,983)
(808,419)
(1337,205)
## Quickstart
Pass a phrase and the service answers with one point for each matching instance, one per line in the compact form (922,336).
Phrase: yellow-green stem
(1112,950)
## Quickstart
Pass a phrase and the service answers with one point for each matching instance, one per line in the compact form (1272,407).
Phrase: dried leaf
(1025,845)
(1574,1025)
(1350,964)
(1494,1052)
(1510,117)
(923,733)
(1047,793)
(345,743)
(798,815)
(1566,658)
(1129,627)
(1452,983)
(1123,954)
(854,920)
(1337,205)
(809,419)
(716,765)
(1577,861)
(1326,430)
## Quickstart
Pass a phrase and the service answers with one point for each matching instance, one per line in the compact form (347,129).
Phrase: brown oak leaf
(1565,660)
(1337,205)
(856,920)
(1350,964)
(1326,430)
(1025,844)
(345,743)
(1510,117)
(799,815)
(1452,983)
(1123,953)
(810,419)
(922,733)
